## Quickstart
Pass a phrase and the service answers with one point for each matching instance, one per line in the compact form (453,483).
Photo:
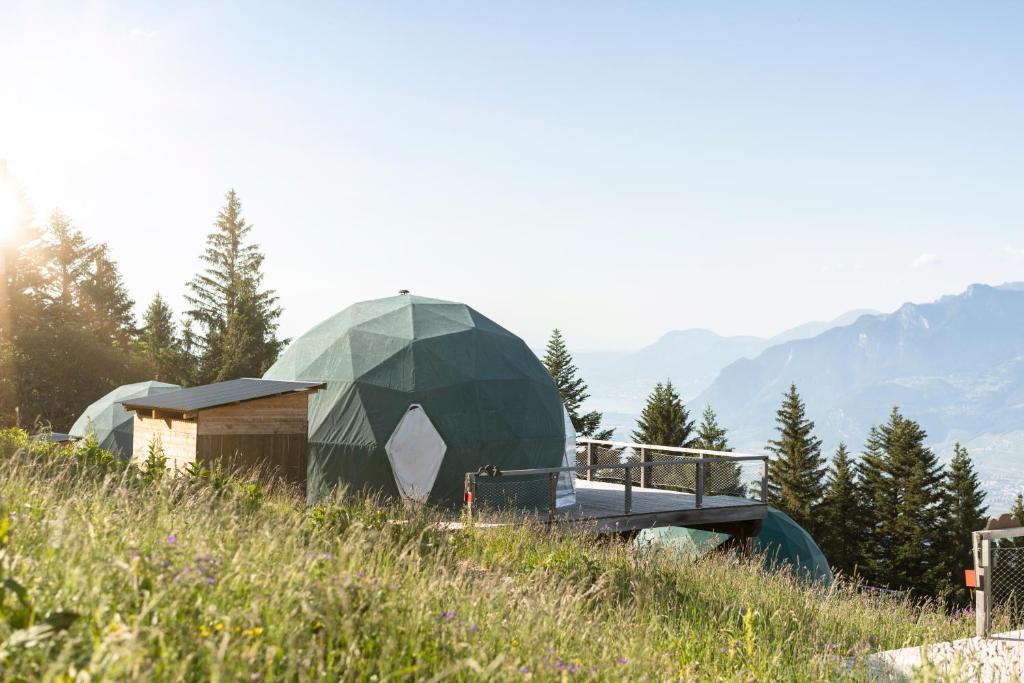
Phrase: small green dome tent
(784,543)
(111,423)
(419,392)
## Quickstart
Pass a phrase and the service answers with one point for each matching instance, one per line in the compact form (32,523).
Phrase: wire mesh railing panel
(520,492)
(1008,579)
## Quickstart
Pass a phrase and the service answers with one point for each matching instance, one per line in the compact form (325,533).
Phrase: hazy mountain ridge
(956,365)
(692,359)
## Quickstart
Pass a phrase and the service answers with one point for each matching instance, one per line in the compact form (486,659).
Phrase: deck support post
(552,495)
(699,493)
(590,461)
(645,472)
(628,503)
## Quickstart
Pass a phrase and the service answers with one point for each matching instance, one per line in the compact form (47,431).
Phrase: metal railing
(699,472)
(999,575)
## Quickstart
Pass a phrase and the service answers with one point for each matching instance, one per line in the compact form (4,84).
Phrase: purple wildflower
(448,614)
(574,668)
(524,669)
(623,660)
(172,539)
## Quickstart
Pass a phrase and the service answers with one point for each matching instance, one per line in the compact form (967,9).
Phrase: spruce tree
(796,474)
(710,435)
(159,341)
(842,515)
(664,421)
(238,319)
(904,491)
(105,302)
(572,389)
(720,479)
(965,512)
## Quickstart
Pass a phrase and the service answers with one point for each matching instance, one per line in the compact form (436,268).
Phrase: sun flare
(12,212)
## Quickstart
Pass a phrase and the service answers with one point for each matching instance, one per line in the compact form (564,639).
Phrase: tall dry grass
(205,579)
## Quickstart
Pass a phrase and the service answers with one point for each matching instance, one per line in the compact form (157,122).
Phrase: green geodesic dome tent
(784,543)
(419,392)
(112,423)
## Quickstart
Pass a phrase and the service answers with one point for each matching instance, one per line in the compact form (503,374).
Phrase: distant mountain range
(956,365)
(621,380)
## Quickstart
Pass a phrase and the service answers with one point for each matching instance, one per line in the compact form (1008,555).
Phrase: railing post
(590,461)
(628,503)
(645,472)
(470,494)
(700,481)
(552,495)
(764,481)
(983,594)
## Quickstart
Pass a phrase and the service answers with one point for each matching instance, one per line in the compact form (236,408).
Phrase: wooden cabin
(240,424)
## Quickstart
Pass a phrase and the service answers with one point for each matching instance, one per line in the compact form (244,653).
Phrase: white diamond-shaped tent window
(415,451)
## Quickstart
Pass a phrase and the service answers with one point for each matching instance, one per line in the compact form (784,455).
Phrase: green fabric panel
(484,390)
(784,543)
(112,424)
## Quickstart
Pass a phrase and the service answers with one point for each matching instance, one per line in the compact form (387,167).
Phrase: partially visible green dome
(784,543)
(419,392)
(111,423)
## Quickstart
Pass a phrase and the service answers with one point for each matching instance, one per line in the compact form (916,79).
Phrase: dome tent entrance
(482,391)
(111,423)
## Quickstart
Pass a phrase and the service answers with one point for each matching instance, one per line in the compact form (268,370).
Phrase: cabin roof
(219,394)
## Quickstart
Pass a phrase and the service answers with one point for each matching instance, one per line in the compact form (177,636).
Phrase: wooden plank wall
(272,455)
(177,437)
(267,434)
(287,414)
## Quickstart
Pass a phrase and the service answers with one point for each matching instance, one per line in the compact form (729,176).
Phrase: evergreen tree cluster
(68,332)
(894,518)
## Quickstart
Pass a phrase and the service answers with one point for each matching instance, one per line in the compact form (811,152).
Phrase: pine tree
(104,300)
(965,512)
(664,421)
(238,319)
(572,389)
(70,327)
(796,474)
(710,435)
(903,487)
(159,341)
(720,479)
(842,515)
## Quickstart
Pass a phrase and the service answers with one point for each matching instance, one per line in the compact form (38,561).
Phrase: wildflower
(448,615)
(473,628)
(574,667)
(218,627)
(623,661)
(524,669)
(515,642)
(171,539)
(204,631)
(254,631)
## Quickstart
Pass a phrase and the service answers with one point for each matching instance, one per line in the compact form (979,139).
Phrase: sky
(617,170)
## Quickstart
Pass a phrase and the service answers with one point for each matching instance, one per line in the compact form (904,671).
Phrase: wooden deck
(603,505)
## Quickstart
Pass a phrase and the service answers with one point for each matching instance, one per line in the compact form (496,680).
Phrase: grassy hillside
(200,579)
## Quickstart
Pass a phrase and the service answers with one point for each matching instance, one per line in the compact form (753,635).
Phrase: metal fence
(702,473)
(1008,579)
(999,576)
